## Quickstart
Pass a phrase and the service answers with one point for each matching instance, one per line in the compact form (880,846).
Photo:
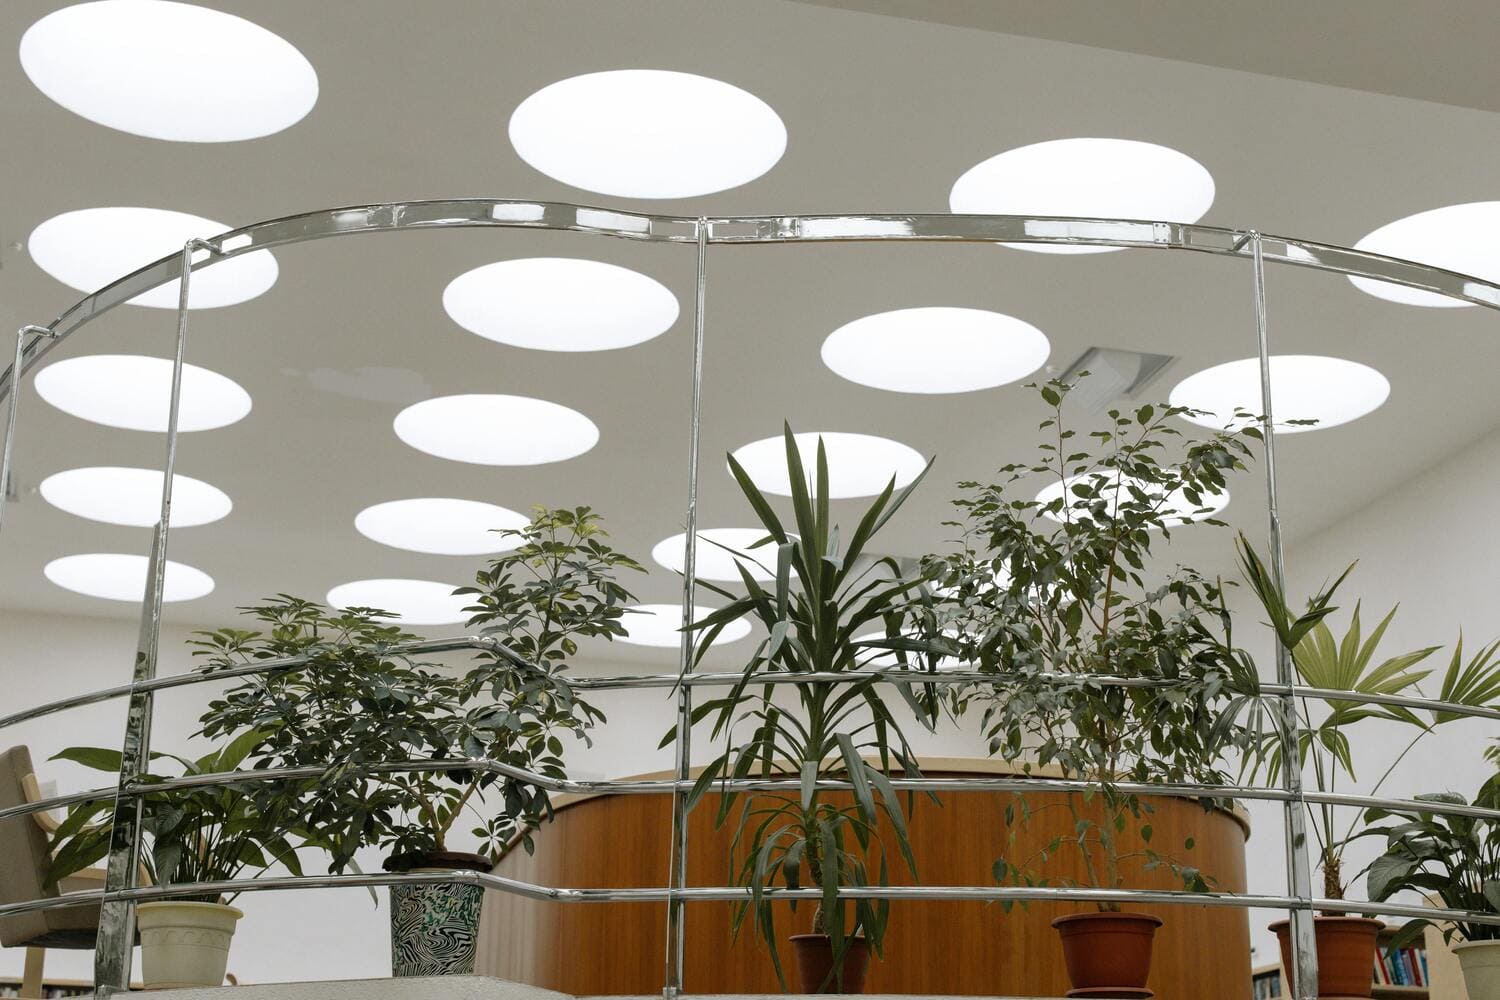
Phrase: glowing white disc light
(133,496)
(116,576)
(132,391)
(441,525)
(660,624)
(1089,178)
(125,64)
(560,304)
(713,560)
(1458,238)
(1331,391)
(935,349)
(410,602)
(1175,509)
(91,247)
(496,429)
(647,133)
(859,465)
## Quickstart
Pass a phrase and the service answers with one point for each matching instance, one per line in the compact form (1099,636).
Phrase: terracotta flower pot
(435,928)
(815,963)
(1107,954)
(1346,953)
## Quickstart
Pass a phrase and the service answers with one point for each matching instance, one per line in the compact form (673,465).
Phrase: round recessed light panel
(1175,508)
(133,496)
(560,304)
(859,465)
(1457,238)
(1330,391)
(91,247)
(719,551)
(116,576)
(496,429)
(441,525)
(1086,178)
(647,133)
(125,64)
(408,602)
(132,391)
(661,624)
(935,349)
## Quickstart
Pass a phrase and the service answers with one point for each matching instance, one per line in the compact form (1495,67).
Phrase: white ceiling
(883,113)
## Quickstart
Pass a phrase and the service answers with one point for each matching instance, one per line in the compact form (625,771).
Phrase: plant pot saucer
(1113,993)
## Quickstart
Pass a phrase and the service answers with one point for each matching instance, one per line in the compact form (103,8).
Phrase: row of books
(1407,967)
(1266,985)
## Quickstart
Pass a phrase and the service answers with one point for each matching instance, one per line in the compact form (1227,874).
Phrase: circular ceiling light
(859,465)
(91,247)
(116,576)
(1457,238)
(1086,178)
(1331,391)
(496,429)
(714,560)
(409,602)
(131,391)
(560,304)
(647,133)
(441,526)
(133,496)
(1176,508)
(661,624)
(935,349)
(127,64)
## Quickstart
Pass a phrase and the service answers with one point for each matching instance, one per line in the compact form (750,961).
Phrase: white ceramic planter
(1480,961)
(184,944)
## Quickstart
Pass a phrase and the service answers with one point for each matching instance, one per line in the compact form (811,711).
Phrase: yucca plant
(1351,663)
(828,590)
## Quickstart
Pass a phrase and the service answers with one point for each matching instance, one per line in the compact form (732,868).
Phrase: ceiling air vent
(1113,375)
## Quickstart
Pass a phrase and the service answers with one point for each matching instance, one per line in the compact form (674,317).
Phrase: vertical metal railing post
(112,952)
(677,858)
(1303,975)
(13,413)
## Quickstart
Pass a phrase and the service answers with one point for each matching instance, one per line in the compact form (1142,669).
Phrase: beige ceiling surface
(882,115)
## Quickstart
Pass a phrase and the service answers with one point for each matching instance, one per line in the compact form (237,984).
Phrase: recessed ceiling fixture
(660,625)
(1087,178)
(117,576)
(496,429)
(560,304)
(91,247)
(133,496)
(441,526)
(1457,238)
(647,133)
(1175,509)
(713,561)
(409,602)
(165,70)
(132,391)
(934,349)
(1331,391)
(859,465)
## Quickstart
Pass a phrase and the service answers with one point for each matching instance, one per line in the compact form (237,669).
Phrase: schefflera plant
(826,593)
(1051,597)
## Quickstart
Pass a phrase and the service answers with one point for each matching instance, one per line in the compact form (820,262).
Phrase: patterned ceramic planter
(434,928)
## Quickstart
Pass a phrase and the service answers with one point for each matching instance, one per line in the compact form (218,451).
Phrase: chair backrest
(23,852)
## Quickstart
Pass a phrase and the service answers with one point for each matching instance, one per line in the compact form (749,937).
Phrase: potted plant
(823,596)
(1457,860)
(190,835)
(1346,941)
(1050,594)
(359,702)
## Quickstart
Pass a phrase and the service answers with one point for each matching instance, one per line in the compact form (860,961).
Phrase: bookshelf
(1440,977)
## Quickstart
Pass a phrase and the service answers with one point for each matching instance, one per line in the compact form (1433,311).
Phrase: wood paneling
(932,947)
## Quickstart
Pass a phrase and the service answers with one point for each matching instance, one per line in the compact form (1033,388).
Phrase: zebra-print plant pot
(435,928)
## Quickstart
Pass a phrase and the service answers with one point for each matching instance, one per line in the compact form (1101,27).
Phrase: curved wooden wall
(954,948)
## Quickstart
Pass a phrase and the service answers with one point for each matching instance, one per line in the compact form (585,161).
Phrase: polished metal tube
(7,450)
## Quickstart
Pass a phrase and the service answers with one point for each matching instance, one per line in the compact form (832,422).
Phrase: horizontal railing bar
(531,890)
